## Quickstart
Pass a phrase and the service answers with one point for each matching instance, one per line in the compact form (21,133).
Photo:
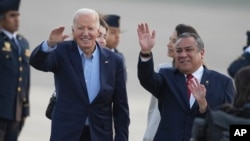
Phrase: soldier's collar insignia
(6,47)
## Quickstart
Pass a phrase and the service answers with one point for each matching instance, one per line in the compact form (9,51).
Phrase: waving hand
(146,38)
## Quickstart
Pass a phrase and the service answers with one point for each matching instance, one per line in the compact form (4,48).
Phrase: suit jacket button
(20,59)
(20,79)
(19,89)
(20,69)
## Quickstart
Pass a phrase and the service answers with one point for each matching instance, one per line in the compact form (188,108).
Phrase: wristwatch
(146,55)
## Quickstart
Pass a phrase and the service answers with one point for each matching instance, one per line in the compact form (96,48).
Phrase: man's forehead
(114,29)
(13,12)
(186,41)
(184,47)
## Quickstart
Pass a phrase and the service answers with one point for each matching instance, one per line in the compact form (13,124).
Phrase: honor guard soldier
(14,72)
(242,61)
(113,36)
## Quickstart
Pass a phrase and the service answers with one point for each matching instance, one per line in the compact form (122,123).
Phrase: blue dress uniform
(242,61)
(14,78)
(14,73)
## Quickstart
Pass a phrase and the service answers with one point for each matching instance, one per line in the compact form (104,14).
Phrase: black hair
(182,28)
(242,84)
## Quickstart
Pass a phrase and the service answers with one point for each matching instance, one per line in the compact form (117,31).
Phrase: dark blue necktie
(14,44)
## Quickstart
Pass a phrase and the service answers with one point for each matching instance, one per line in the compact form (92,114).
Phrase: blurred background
(222,24)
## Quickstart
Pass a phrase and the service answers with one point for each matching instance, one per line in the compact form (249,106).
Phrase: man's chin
(184,69)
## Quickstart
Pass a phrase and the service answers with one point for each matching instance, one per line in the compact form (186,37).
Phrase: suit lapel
(204,79)
(104,68)
(182,93)
(76,61)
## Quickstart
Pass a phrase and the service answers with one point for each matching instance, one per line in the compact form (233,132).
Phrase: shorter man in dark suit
(14,72)
(91,95)
(185,92)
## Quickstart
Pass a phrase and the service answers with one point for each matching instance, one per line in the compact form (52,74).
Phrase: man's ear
(98,32)
(203,53)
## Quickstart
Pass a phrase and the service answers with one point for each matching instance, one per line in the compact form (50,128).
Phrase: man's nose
(183,53)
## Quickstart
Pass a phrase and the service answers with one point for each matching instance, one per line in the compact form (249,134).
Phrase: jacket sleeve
(148,78)
(43,61)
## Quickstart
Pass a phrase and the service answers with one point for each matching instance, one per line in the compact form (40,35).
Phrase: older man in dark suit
(90,83)
(14,72)
(181,99)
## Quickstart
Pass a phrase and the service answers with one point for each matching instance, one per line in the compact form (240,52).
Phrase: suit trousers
(9,130)
(85,134)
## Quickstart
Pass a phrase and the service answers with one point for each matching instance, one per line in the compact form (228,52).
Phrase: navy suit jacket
(169,87)
(73,106)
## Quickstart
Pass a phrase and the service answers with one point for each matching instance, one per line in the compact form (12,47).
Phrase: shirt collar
(94,54)
(247,49)
(198,73)
(10,36)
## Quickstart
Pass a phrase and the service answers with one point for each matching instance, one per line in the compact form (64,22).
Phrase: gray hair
(85,11)
(197,38)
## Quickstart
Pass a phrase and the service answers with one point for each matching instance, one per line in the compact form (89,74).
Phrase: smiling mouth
(184,61)
(84,39)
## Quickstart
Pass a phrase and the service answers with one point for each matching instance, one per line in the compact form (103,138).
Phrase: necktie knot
(189,76)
